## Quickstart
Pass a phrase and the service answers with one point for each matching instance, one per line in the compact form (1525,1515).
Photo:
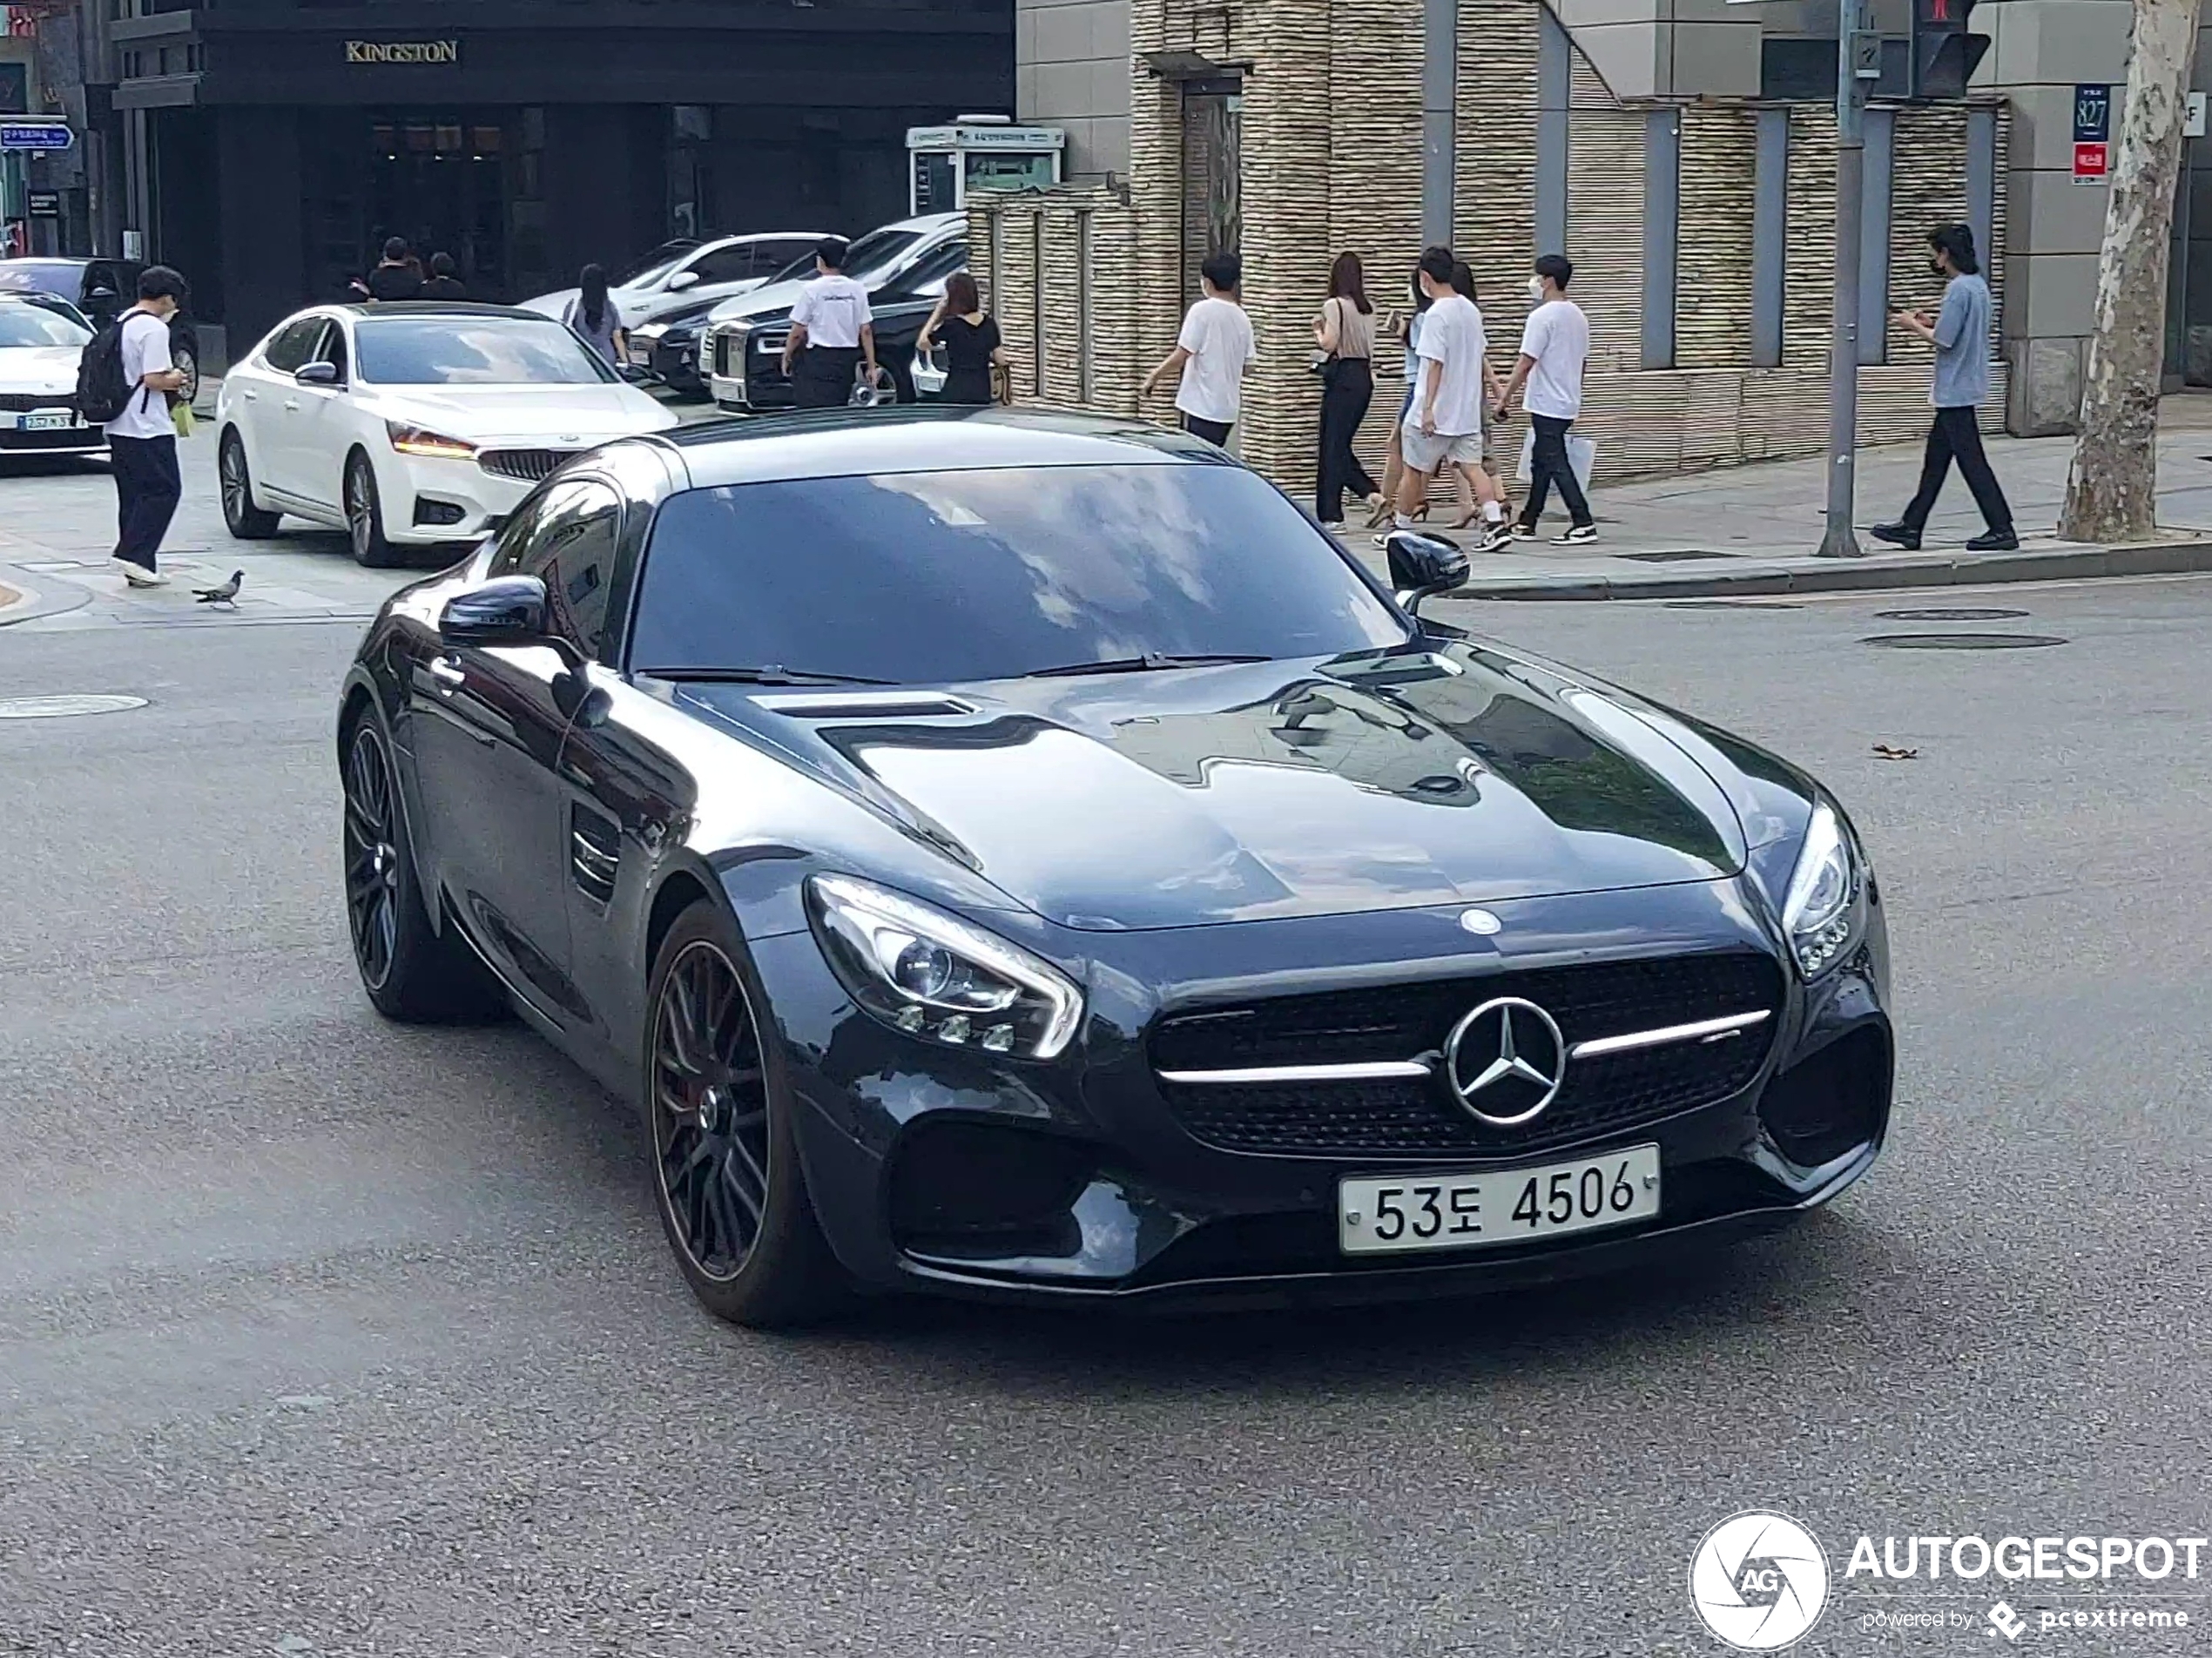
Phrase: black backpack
(103,392)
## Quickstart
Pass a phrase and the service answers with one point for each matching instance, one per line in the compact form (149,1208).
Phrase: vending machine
(979,152)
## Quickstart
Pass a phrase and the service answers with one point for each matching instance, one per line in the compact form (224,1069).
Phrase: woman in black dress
(970,337)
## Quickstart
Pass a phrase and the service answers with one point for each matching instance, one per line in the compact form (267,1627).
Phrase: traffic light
(1944,51)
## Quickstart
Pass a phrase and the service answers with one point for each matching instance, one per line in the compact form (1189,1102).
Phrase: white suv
(671,277)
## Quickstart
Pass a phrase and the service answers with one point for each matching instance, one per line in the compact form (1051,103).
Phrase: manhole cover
(1961,615)
(1676,556)
(1963,641)
(1733,604)
(65,707)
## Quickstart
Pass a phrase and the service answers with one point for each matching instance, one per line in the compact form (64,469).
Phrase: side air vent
(864,705)
(595,853)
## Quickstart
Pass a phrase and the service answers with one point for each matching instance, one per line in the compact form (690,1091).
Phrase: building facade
(267,147)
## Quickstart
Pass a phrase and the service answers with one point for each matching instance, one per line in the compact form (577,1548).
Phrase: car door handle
(251,396)
(292,405)
(448,673)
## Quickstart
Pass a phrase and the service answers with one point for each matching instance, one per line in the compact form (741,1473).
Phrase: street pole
(1857,61)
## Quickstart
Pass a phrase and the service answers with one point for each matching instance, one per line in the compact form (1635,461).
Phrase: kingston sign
(403,52)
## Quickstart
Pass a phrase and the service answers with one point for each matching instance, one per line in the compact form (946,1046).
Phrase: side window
(331,350)
(725,265)
(289,349)
(573,553)
(522,526)
(926,280)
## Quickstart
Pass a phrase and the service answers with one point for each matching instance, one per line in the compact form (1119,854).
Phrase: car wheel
(365,516)
(186,361)
(733,1198)
(412,972)
(245,520)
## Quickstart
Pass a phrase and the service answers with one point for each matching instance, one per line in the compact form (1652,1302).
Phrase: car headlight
(650,331)
(416,439)
(1822,910)
(936,976)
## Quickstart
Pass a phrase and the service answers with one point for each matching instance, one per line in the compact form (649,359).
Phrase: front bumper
(744,368)
(1090,1185)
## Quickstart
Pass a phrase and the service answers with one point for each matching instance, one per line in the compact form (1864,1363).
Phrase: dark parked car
(102,288)
(1017,854)
(667,349)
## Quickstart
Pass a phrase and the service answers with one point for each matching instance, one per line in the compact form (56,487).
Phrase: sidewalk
(1752,530)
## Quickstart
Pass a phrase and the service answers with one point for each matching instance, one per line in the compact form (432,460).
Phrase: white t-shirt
(834,309)
(1558,337)
(1452,334)
(1218,336)
(145,351)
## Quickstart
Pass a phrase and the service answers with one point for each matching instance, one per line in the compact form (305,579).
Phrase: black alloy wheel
(726,1167)
(245,521)
(412,972)
(365,516)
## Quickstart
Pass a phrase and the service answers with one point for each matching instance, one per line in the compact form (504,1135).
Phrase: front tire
(413,975)
(726,1178)
(365,516)
(245,520)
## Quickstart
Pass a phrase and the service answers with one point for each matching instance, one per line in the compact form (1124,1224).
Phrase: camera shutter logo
(1759,1582)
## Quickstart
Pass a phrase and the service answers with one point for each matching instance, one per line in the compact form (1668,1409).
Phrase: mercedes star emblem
(1506,1062)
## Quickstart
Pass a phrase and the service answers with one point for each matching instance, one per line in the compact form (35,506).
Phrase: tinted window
(33,325)
(942,576)
(291,345)
(59,277)
(725,265)
(926,277)
(472,351)
(573,553)
(640,271)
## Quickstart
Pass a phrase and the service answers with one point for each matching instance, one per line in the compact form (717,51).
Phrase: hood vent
(864,705)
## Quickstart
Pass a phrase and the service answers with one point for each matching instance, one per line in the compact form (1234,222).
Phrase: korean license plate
(48,420)
(1403,1213)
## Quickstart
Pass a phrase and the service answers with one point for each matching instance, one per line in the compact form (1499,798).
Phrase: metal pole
(1857,59)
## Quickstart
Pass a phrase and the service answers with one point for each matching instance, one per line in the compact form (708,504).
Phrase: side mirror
(1423,565)
(510,609)
(682,280)
(316,373)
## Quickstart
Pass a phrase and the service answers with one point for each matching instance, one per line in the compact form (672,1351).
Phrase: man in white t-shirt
(1212,354)
(142,440)
(1553,348)
(1444,424)
(832,332)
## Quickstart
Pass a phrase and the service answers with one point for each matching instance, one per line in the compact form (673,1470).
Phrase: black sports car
(1017,854)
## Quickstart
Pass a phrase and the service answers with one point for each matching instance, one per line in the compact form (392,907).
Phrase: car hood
(39,369)
(564,415)
(771,298)
(1243,793)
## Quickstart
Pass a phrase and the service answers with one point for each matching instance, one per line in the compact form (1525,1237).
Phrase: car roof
(843,444)
(442,308)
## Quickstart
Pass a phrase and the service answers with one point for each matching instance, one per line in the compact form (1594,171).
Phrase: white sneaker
(138,575)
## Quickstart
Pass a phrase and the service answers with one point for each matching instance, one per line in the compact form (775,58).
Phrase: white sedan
(411,425)
(668,280)
(40,343)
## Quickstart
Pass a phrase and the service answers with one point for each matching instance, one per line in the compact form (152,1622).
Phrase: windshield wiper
(772,673)
(1148,663)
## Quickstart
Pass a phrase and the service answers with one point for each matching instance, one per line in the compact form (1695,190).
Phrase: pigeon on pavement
(226,594)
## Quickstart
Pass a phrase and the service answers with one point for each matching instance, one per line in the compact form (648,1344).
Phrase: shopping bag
(1581,454)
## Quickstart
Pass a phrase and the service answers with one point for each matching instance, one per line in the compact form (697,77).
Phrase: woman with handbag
(970,336)
(1344,333)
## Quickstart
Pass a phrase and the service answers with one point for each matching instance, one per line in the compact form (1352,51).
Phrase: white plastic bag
(1581,454)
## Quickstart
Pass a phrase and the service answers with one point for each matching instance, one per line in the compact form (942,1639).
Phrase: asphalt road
(322,1336)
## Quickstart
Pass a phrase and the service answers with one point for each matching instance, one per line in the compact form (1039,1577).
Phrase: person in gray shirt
(1959,334)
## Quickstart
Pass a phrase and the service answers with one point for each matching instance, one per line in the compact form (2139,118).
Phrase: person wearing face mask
(1554,346)
(1959,334)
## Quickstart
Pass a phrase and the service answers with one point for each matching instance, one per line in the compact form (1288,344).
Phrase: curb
(32,602)
(1843,576)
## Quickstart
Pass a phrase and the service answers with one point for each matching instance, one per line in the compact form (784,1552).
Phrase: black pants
(1350,388)
(1214,432)
(1957,434)
(147,489)
(1550,464)
(824,378)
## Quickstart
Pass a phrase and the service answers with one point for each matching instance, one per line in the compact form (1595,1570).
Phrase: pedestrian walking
(970,336)
(1211,353)
(142,438)
(595,320)
(834,329)
(1406,326)
(1344,333)
(1959,332)
(445,282)
(1554,348)
(395,277)
(1444,426)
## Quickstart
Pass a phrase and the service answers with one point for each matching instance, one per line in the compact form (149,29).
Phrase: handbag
(1325,362)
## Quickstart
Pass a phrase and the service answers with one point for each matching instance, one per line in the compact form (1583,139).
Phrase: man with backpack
(124,381)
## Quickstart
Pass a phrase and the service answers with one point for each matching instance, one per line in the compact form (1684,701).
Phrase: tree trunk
(2111,493)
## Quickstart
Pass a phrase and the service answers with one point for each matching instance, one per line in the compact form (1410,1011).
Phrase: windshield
(868,261)
(41,276)
(940,577)
(34,325)
(472,351)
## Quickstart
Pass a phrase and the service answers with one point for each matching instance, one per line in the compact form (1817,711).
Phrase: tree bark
(2111,492)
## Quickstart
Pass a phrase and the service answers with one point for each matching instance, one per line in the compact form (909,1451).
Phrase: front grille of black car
(1420,1114)
(528,466)
(30,402)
